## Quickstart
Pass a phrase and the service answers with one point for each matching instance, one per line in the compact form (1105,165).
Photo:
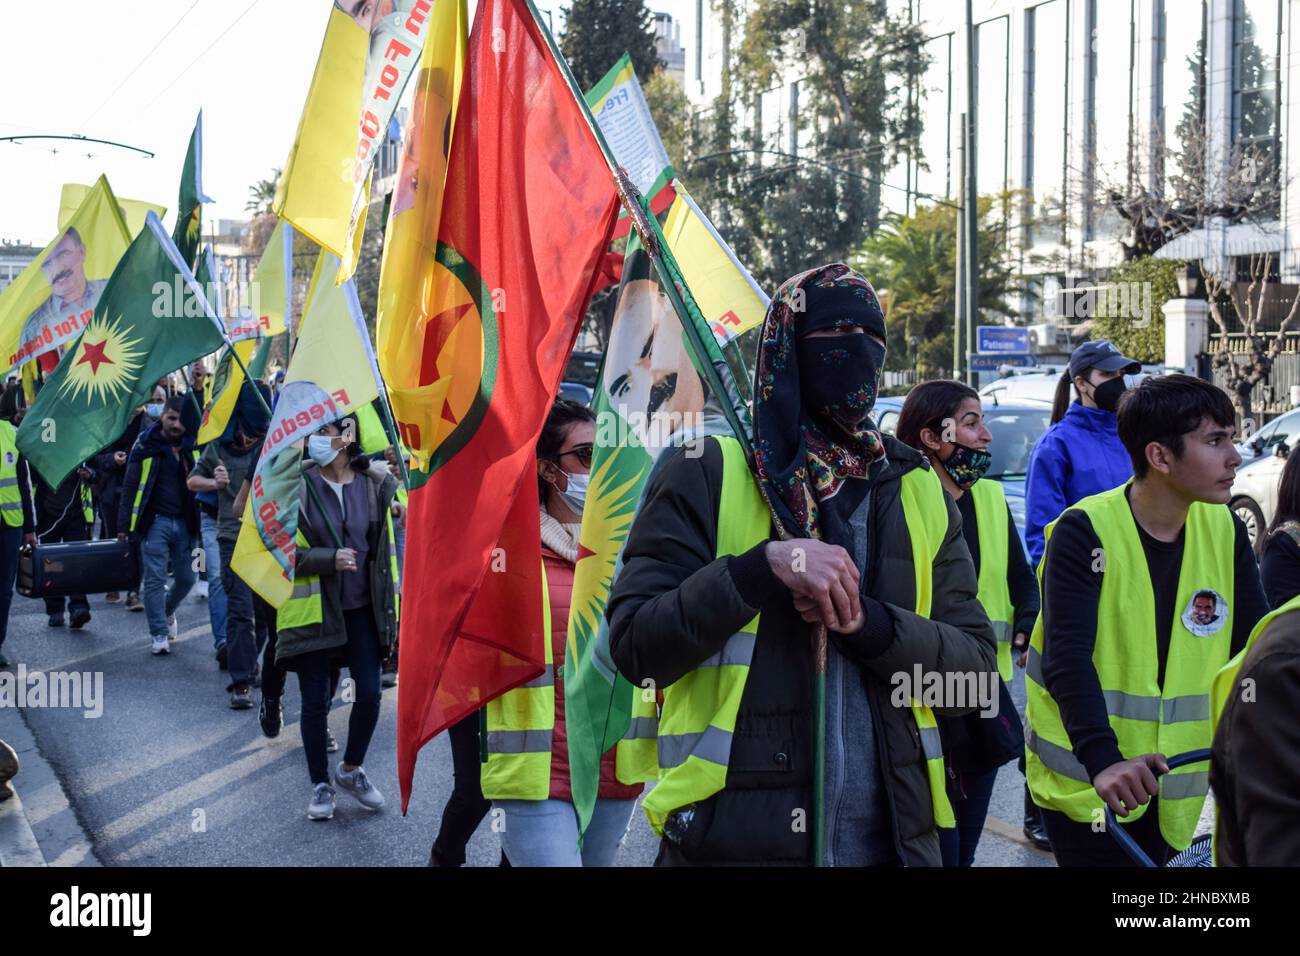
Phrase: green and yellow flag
(332,372)
(133,210)
(136,337)
(189,204)
(54,298)
(368,54)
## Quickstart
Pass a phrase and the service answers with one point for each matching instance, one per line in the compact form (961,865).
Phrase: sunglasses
(581,452)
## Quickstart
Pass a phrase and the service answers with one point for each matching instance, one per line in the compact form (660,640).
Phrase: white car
(1254,493)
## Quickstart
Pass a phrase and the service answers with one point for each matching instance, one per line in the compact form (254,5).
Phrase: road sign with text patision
(1001,338)
(991,363)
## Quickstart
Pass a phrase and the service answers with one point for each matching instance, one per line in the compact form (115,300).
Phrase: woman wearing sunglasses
(529,782)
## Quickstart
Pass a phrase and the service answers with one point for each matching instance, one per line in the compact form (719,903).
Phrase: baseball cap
(1103,355)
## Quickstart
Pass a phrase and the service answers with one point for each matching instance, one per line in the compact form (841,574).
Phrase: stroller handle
(1126,842)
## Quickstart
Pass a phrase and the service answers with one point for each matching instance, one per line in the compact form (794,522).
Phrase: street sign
(991,363)
(1001,338)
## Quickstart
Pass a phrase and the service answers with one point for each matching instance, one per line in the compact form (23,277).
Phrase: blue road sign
(991,363)
(1001,338)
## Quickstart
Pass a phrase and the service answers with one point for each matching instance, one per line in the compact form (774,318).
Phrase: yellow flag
(332,372)
(369,52)
(54,298)
(133,210)
(727,295)
(406,278)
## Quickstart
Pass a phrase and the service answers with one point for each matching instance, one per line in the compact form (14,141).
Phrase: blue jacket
(1080,455)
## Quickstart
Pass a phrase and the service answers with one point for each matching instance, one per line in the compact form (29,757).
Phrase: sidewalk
(37,826)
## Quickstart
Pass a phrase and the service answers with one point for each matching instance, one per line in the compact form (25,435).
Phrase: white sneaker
(358,784)
(160,645)
(201,589)
(172,629)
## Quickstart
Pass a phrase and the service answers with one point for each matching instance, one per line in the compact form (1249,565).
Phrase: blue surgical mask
(576,496)
(154,409)
(321,449)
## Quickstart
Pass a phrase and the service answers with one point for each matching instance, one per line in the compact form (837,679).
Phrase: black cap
(1101,354)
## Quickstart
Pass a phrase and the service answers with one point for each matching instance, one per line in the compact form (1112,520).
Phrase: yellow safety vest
(699,710)
(1146,717)
(521,724)
(304,607)
(137,504)
(11,498)
(991,520)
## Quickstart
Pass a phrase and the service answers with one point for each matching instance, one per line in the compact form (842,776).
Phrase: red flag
(528,213)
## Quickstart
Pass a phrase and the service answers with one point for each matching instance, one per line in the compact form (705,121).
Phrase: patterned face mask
(966,465)
(838,376)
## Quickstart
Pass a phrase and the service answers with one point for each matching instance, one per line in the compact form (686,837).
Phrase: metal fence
(1272,396)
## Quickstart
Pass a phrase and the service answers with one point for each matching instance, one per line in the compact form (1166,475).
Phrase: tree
(912,262)
(260,196)
(598,32)
(1130,313)
(855,63)
(671,112)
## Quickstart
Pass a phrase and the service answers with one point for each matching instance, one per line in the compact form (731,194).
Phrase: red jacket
(559,584)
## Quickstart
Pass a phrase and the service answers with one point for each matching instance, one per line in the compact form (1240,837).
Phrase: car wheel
(1252,517)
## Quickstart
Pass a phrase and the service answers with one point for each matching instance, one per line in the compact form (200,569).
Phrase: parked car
(1254,493)
(576,392)
(1262,444)
(1016,427)
(1039,385)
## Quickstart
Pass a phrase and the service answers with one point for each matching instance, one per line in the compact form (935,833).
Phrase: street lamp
(1187,277)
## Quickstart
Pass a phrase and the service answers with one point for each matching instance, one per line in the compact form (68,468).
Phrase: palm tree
(261,194)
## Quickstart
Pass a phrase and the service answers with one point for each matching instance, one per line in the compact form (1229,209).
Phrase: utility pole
(959,299)
(971,202)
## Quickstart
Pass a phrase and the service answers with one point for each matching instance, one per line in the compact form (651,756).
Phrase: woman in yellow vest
(343,610)
(1148,590)
(727,573)
(944,419)
(527,772)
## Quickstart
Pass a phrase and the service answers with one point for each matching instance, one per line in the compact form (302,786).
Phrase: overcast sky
(85,66)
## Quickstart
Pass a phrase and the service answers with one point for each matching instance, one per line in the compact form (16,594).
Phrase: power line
(142,62)
(195,61)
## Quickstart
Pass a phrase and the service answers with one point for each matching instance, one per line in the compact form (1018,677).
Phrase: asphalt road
(170,776)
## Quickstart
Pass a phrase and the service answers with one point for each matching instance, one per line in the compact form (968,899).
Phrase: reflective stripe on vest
(146,468)
(699,712)
(520,727)
(11,498)
(304,607)
(87,503)
(991,524)
(1146,717)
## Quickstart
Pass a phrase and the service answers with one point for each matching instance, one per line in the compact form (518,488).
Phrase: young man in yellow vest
(715,611)
(1148,589)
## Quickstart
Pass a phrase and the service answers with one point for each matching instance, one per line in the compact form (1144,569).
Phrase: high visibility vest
(521,724)
(87,502)
(1225,681)
(11,498)
(699,711)
(304,607)
(1146,717)
(991,522)
(137,504)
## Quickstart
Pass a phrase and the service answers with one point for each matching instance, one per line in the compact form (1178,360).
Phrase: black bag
(78,567)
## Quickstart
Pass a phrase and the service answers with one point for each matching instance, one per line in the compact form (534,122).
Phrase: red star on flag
(94,354)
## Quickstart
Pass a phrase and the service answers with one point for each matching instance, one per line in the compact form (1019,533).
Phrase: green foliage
(781,213)
(1137,328)
(598,32)
(671,111)
(912,261)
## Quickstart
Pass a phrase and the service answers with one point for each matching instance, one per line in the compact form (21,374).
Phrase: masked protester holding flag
(717,607)
(344,605)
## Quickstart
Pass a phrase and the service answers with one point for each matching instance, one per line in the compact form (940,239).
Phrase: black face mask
(1108,393)
(838,376)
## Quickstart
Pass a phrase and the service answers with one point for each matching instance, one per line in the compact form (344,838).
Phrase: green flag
(152,318)
(189,205)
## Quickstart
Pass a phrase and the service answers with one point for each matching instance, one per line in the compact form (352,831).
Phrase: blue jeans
(970,808)
(11,539)
(240,638)
(168,538)
(216,590)
(545,832)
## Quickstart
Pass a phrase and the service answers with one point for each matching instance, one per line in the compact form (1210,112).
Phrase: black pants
(1078,844)
(316,674)
(264,624)
(71,527)
(11,541)
(466,807)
